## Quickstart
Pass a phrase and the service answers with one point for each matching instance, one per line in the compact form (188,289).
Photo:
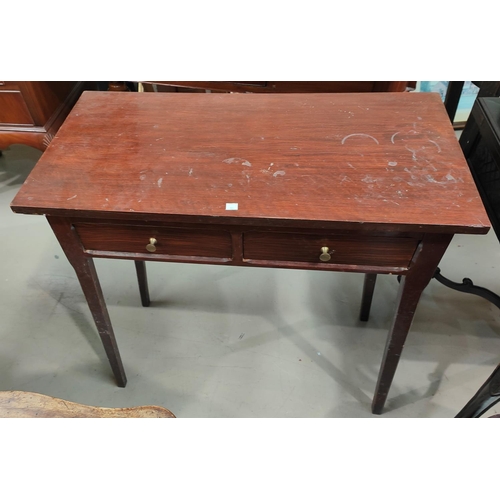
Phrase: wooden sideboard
(273,87)
(32,112)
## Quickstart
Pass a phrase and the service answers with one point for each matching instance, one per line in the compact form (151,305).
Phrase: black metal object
(487,396)
(467,286)
(480,142)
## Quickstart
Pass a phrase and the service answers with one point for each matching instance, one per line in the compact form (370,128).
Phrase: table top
(384,160)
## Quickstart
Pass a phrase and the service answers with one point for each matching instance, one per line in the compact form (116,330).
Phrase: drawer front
(170,241)
(343,249)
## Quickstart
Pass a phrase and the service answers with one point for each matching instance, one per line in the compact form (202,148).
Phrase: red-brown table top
(390,159)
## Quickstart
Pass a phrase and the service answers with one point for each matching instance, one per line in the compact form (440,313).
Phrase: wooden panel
(350,250)
(13,108)
(9,86)
(283,87)
(385,159)
(18,404)
(169,240)
(44,98)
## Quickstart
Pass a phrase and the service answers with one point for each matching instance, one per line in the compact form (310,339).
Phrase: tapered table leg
(87,276)
(366,301)
(422,268)
(142,278)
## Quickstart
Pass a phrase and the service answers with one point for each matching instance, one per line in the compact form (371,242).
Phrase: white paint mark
(413,177)
(160,180)
(230,185)
(344,179)
(72,198)
(278,172)
(271,164)
(294,148)
(450,177)
(392,163)
(419,117)
(231,206)
(159,139)
(190,171)
(369,179)
(362,135)
(237,160)
(435,144)
(390,201)
(142,177)
(351,166)
(394,135)
(414,153)
(107,199)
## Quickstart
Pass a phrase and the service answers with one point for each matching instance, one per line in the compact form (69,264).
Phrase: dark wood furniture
(20,404)
(32,112)
(273,87)
(366,183)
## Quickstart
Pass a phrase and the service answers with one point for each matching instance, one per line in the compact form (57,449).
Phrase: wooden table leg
(366,301)
(142,278)
(86,273)
(423,266)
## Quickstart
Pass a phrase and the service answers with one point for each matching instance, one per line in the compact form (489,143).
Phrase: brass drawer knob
(325,256)
(150,247)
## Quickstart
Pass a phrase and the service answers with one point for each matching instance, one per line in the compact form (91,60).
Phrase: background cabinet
(32,112)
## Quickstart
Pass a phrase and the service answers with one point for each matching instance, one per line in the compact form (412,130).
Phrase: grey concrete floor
(236,342)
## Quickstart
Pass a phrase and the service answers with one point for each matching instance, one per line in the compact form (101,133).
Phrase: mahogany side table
(366,183)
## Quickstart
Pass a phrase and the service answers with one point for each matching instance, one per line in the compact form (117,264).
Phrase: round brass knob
(150,247)
(325,256)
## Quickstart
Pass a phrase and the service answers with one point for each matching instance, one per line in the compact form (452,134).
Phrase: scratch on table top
(414,153)
(160,180)
(362,135)
(190,172)
(72,198)
(237,160)
(394,135)
(436,144)
(351,166)
(278,172)
(447,179)
(392,163)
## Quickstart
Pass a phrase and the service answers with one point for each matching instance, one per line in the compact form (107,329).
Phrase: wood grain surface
(19,404)
(385,159)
